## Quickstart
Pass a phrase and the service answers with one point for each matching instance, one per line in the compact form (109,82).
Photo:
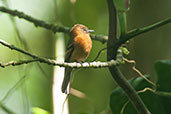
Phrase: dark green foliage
(156,103)
(163,69)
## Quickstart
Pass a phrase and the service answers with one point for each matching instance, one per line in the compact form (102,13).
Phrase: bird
(78,49)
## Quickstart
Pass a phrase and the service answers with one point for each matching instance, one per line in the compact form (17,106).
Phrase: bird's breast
(82,47)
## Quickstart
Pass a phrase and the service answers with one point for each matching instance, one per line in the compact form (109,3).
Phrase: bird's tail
(66,79)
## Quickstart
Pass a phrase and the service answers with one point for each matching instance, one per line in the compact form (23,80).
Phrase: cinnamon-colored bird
(78,49)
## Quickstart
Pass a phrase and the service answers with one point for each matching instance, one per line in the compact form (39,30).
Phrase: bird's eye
(84,29)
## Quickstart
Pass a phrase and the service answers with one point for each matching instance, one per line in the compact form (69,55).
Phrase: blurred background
(97,84)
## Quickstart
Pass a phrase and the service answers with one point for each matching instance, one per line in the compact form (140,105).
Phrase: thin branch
(53,62)
(12,47)
(99,53)
(95,64)
(131,34)
(16,63)
(112,48)
(159,93)
(100,38)
(36,22)
(41,59)
(138,71)
(53,27)
(163,94)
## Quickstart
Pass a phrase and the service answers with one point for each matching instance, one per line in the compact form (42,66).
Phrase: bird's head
(79,29)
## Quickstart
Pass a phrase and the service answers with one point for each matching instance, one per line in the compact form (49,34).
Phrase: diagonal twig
(53,27)
(131,34)
(95,64)
(36,22)
(36,58)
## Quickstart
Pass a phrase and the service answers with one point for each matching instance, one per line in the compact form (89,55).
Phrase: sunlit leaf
(37,110)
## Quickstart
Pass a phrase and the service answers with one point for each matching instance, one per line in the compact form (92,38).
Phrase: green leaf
(122,6)
(118,98)
(163,69)
(124,50)
(37,110)
(122,23)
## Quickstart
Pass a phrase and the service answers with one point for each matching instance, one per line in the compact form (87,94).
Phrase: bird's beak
(90,31)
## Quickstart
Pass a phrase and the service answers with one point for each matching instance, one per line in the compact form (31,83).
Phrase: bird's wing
(70,49)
